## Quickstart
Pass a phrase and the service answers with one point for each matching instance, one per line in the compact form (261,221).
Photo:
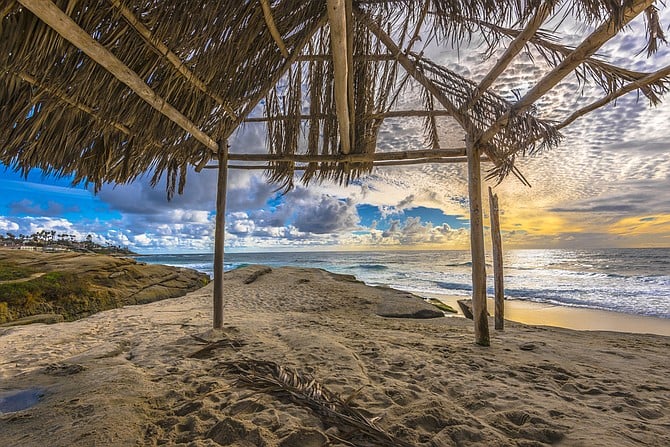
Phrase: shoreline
(574,318)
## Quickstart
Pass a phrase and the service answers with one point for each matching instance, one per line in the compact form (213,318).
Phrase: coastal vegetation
(53,241)
(75,285)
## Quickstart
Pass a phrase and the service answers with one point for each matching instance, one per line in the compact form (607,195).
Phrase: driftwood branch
(382,115)
(411,68)
(512,51)
(641,84)
(351,158)
(270,22)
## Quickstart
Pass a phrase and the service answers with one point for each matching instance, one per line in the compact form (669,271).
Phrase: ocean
(632,281)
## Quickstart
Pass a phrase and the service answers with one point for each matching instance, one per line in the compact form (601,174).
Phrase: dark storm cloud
(330,215)
(29,207)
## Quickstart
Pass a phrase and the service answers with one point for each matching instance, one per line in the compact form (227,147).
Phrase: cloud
(415,232)
(27,206)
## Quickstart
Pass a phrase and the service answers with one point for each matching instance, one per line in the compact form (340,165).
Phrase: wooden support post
(477,245)
(338,41)
(220,233)
(498,280)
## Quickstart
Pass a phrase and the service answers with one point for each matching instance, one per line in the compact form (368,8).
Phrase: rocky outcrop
(76,285)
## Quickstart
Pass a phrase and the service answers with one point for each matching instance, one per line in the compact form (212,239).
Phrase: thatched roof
(172,81)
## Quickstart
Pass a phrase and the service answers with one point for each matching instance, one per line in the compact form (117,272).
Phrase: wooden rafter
(60,22)
(586,49)
(337,18)
(357,57)
(351,102)
(170,56)
(270,22)
(512,51)
(650,78)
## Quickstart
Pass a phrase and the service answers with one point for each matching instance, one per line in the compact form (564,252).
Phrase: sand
(138,376)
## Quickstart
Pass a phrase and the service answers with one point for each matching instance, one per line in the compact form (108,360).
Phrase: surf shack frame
(495,130)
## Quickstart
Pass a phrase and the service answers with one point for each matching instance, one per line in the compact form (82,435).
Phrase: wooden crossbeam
(171,57)
(356,57)
(376,164)
(60,22)
(270,22)
(381,115)
(640,84)
(586,49)
(512,51)
(337,18)
(339,158)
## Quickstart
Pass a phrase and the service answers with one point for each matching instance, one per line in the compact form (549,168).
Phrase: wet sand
(581,319)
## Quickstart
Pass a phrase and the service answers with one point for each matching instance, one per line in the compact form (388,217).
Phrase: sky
(606,185)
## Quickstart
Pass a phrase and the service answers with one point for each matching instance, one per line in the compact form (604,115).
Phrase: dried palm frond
(303,389)
(524,133)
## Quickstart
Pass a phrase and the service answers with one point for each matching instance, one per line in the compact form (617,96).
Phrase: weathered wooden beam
(220,234)
(376,164)
(498,276)
(60,22)
(480,314)
(337,19)
(356,57)
(586,49)
(512,51)
(389,114)
(270,22)
(169,55)
(639,84)
(351,100)
(353,158)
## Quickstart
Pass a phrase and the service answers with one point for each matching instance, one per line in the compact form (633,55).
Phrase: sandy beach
(305,360)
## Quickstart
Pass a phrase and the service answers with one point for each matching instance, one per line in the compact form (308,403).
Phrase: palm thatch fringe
(214,63)
(7,8)
(170,56)
(303,389)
